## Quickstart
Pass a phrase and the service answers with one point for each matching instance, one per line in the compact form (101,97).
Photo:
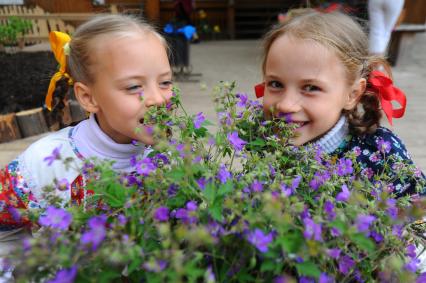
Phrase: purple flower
(344,167)
(397,230)
(329,210)
(155,266)
(209,276)
(280,279)
(260,240)
(412,265)
(345,264)
(55,155)
(243,99)
(295,183)
(161,214)
(286,191)
(172,190)
(344,195)
(319,179)
(363,223)
(256,186)
(411,251)
(161,158)
(392,209)
(305,279)
(368,172)
(65,276)
(145,166)
(335,232)
(191,205)
(324,278)
(225,118)
(122,220)
(376,236)
(202,183)
(334,253)
(384,146)
(223,175)
(312,230)
(421,278)
(235,141)
(56,218)
(96,232)
(198,120)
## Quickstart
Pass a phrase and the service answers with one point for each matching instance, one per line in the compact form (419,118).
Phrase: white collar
(91,142)
(333,138)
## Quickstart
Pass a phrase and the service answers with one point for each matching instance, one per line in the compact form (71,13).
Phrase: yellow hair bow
(59,43)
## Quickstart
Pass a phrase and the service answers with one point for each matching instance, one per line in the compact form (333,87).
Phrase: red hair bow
(387,92)
(259,89)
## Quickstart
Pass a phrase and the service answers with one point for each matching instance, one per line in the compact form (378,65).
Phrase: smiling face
(123,69)
(306,81)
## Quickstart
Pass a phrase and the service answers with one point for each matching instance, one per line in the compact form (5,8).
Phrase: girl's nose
(289,102)
(155,97)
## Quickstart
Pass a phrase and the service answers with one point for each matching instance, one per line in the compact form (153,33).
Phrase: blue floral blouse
(384,151)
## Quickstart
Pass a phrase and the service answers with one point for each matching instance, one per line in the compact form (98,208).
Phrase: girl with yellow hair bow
(113,60)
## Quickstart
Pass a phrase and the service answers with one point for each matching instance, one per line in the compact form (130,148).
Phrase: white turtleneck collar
(90,141)
(333,138)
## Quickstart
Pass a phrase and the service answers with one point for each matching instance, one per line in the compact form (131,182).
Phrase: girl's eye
(275,84)
(311,88)
(166,84)
(134,88)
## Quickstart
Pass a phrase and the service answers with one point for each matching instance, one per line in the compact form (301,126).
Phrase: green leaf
(363,242)
(216,210)
(210,192)
(176,175)
(308,268)
(291,242)
(115,195)
(257,142)
(267,266)
(226,188)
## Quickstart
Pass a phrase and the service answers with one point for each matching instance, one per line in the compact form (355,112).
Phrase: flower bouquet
(239,205)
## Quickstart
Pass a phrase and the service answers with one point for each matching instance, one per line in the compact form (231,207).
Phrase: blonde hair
(83,41)
(346,38)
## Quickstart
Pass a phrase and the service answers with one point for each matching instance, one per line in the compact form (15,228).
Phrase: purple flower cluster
(56,218)
(96,233)
(235,141)
(260,240)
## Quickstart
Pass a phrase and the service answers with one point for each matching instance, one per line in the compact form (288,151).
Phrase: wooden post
(152,10)
(31,122)
(231,19)
(9,129)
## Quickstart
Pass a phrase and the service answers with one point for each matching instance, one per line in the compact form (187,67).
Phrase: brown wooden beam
(152,10)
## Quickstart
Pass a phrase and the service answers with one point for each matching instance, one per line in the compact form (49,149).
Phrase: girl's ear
(85,97)
(354,96)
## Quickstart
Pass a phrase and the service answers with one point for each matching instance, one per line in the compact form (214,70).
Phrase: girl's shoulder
(45,160)
(382,141)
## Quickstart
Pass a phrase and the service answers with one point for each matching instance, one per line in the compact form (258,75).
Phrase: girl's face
(307,82)
(125,68)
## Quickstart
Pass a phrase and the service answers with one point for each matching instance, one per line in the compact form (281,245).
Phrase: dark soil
(24,79)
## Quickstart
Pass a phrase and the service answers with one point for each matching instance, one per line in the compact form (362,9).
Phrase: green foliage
(204,208)
(13,28)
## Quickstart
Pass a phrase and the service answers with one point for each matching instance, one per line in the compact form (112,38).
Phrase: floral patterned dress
(384,151)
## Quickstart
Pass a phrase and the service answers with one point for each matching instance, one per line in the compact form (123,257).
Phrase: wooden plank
(9,129)
(63,16)
(410,28)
